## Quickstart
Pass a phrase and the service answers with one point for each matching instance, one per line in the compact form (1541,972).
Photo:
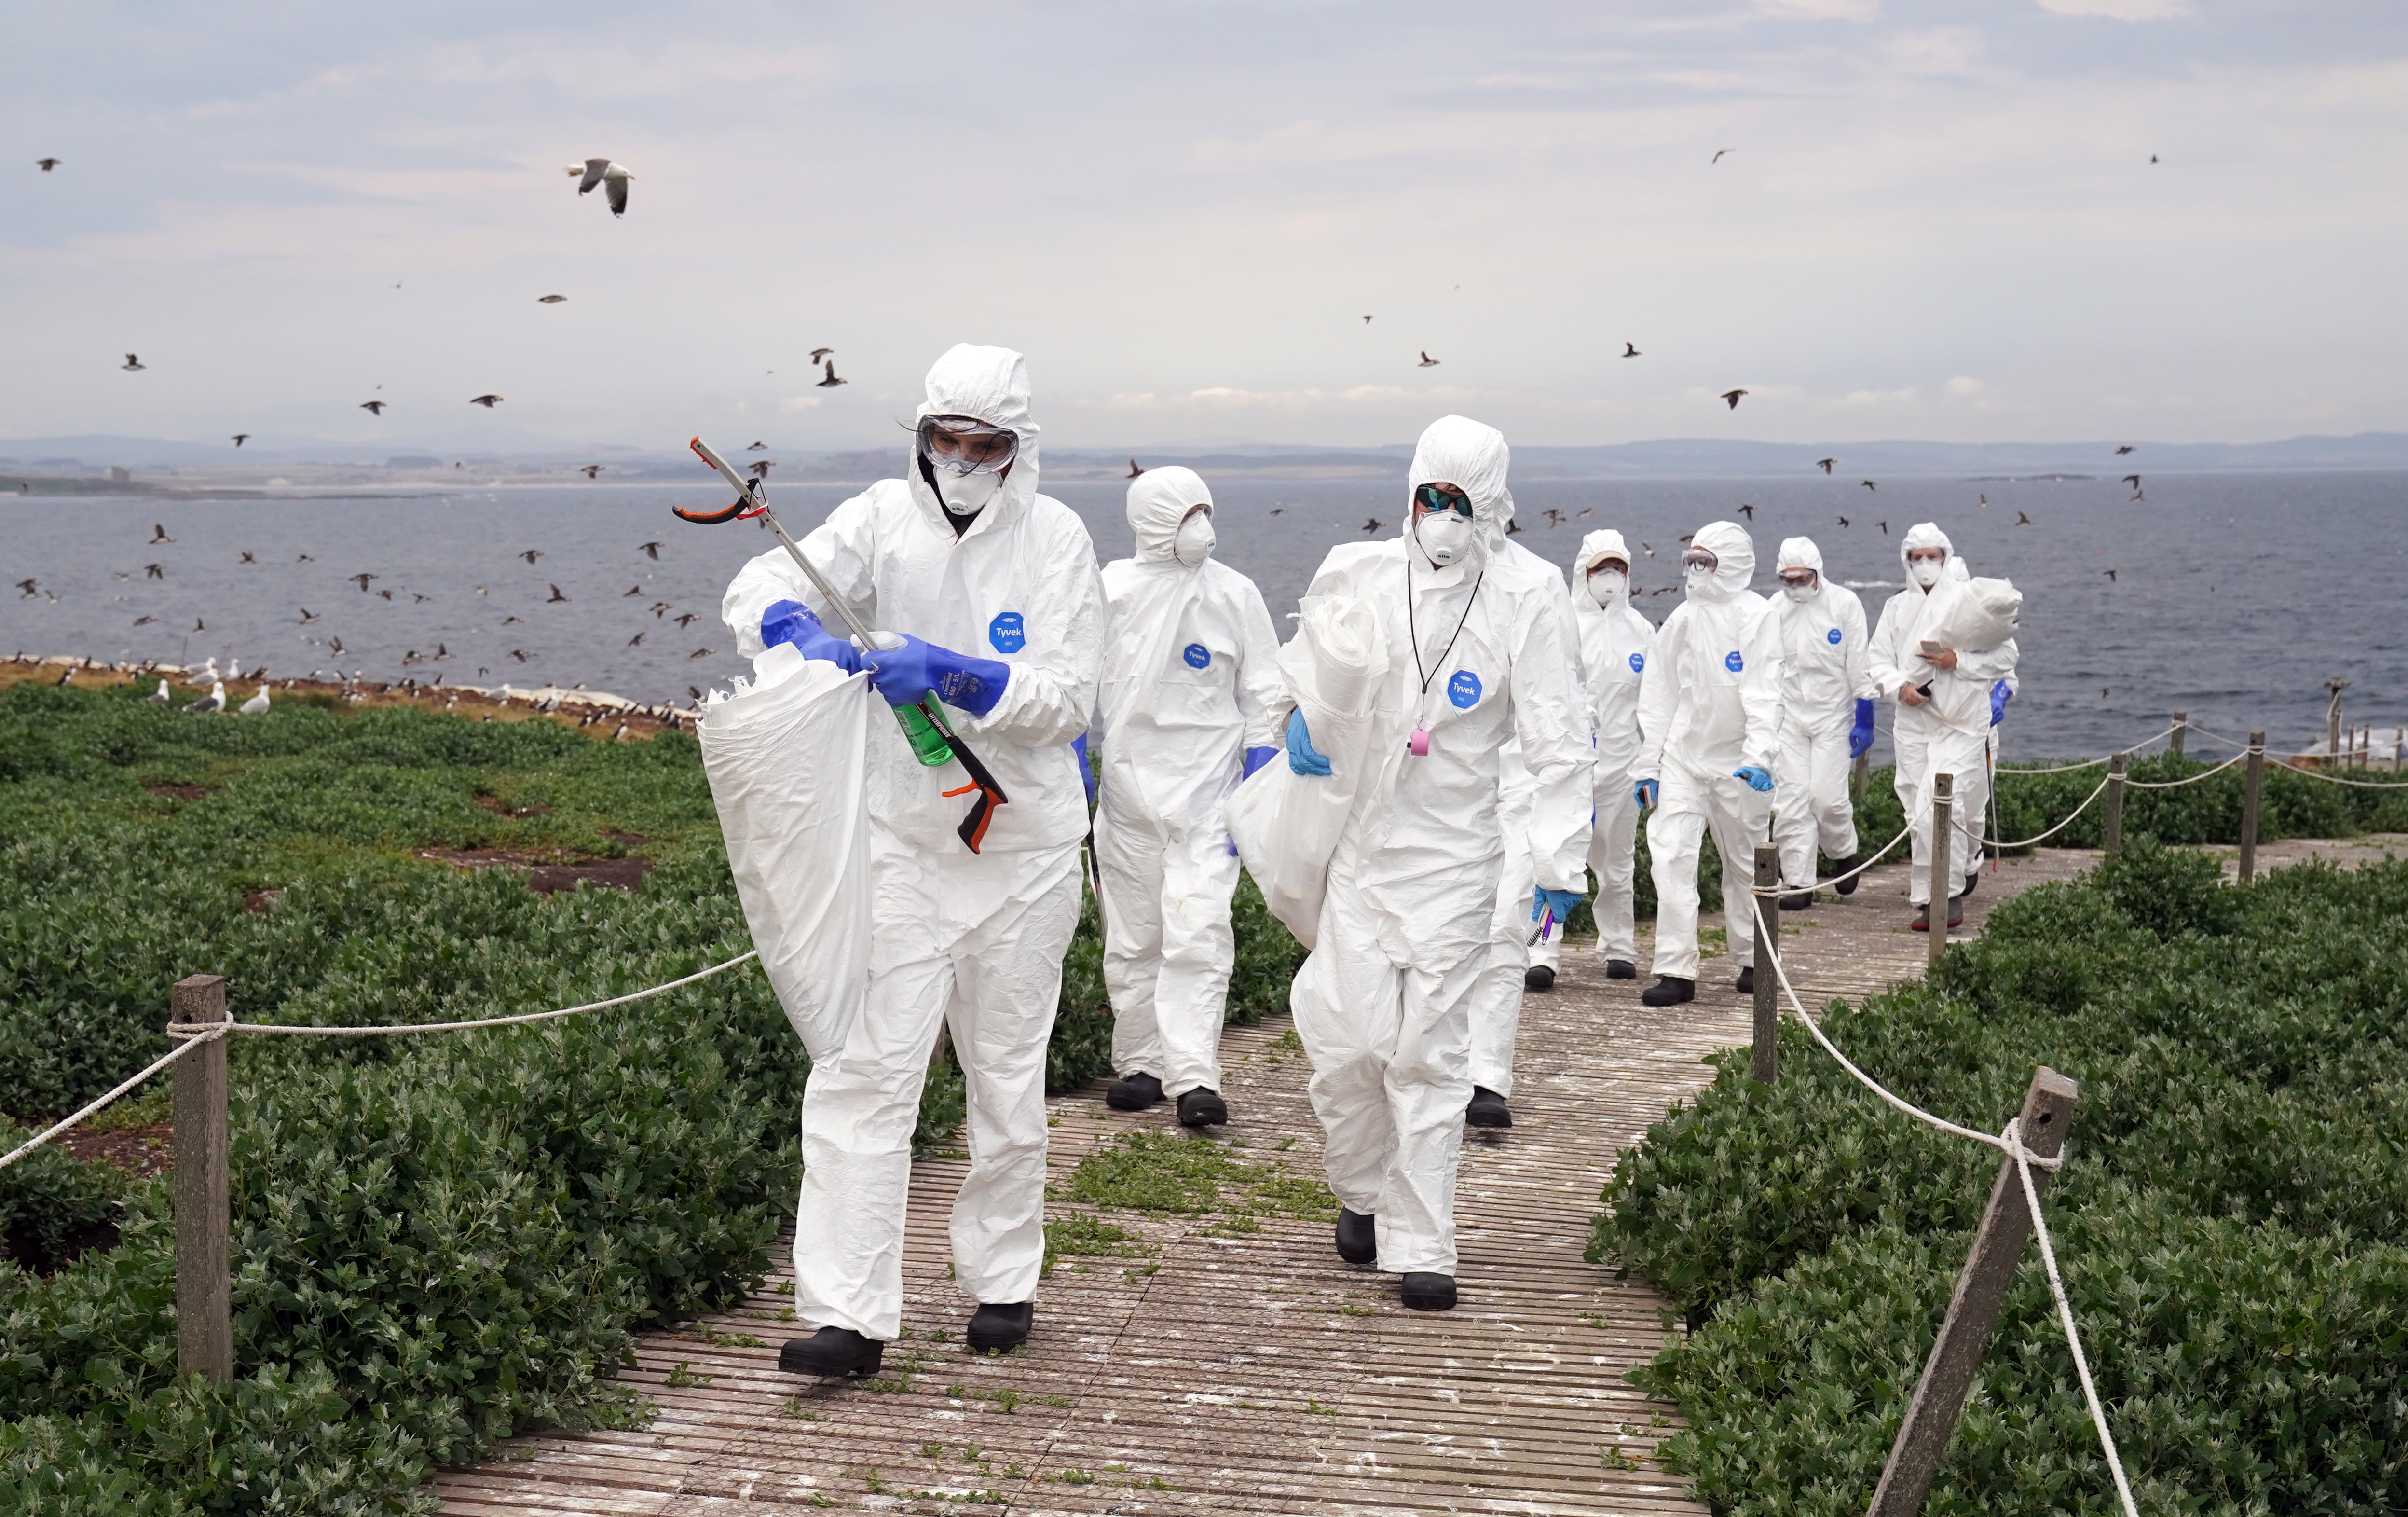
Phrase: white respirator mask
(1443,537)
(1698,577)
(1799,593)
(964,494)
(1194,540)
(1926,572)
(1608,587)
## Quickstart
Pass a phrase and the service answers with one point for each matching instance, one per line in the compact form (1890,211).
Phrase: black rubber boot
(831,1352)
(1200,1108)
(1538,977)
(1487,1109)
(1745,984)
(1956,912)
(1798,901)
(1621,969)
(1922,922)
(1000,1327)
(1668,990)
(1429,1293)
(1359,1242)
(1848,886)
(1134,1094)
(1972,879)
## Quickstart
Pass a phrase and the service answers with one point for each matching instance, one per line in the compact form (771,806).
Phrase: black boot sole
(1491,1112)
(1121,1098)
(1423,1292)
(989,1334)
(799,1358)
(1659,995)
(1207,1111)
(1621,969)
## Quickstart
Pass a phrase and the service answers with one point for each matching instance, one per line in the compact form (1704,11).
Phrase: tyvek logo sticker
(1834,635)
(1463,689)
(1638,662)
(1731,661)
(1198,656)
(1008,636)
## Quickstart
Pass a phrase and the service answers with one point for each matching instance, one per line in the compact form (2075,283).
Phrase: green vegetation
(439,1241)
(2230,1217)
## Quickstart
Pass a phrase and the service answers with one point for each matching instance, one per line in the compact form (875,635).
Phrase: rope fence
(188,1037)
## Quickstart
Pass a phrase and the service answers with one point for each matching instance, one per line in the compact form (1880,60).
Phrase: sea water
(2234,596)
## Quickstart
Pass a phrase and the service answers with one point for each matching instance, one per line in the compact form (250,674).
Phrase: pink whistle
(1419,743)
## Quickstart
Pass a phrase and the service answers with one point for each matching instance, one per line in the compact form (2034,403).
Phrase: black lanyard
(1414,632)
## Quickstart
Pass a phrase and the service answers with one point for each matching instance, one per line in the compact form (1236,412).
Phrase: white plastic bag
(1286,825)
(785,762)
(1980,615)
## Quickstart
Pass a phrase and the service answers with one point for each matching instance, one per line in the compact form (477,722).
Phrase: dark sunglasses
(1436,498)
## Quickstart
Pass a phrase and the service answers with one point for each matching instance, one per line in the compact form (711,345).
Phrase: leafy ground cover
(440,1241)
(2230,1219)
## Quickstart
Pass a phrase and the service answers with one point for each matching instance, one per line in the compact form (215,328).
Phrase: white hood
(1801,553)
(1605,542)
(1923,535)
(1158,500)
(1458,451)
(1734,554)
(990,384)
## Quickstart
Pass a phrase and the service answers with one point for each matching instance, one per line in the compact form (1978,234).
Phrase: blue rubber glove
(1086,771)
(1302,758)
(1999,696)
(1860,737)
(790,621)
(1758,779)
(1644,793)
(908,668)
(1559,901)
(1256,758)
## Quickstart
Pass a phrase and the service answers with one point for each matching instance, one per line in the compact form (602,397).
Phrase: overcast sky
(1935,221)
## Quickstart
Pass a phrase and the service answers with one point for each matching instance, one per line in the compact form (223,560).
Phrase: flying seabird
(133,363)
(307,616)
(588,471)
(374,408)
(241,438)
(2125,449)
(531,554)
(2022,520)
(488,401)
(1844,521)
(820,355)
(700,653)
(651,550)
(1747,511)
(1427,362)
(246,557)
(1824,464)
(1134,469)
(610,176)
(159,534)
(1629,349)
(1884,527)
(832,382)
(549,299)
(2109,574)
(144,621)
(46,164)
(1733,395)
(1371,523)
(521,655)
(1868,485)
(1717,157)
(32,588)
(756,445)
(689,616)
(1367,320)
(2132,479)
(633,641)
(511,621)
(631,589)
(361,581)
(555,598)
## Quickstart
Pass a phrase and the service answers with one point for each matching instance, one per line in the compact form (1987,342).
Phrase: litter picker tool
(932,738)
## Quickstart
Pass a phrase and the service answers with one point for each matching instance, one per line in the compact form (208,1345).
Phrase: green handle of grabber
(929,745)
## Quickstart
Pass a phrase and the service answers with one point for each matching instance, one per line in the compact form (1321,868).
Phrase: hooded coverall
(1825,670)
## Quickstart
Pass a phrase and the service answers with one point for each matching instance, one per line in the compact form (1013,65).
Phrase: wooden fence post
(1768,949)
(1974,1310)
(204,1287)
(1945,881)
(2114,841)
(2249,792)
(2182,730)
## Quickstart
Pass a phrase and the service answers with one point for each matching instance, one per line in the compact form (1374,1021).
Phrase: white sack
(1981,614)
(785,762)
(1286,825)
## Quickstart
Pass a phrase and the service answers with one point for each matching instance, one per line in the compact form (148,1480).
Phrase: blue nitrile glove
(1644,793)
(1999,696)
(1256,758)
(1301,755)
(1860,736)
(906,669)
(1086,772)
(1559,901)
(790,621)
(1758,779)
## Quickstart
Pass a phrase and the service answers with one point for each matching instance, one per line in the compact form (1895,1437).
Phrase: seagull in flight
(1733,395)
(374,408)
(488,401)
(1427,362)
(611,176)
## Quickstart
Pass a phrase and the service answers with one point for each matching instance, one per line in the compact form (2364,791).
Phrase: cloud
(2121,10)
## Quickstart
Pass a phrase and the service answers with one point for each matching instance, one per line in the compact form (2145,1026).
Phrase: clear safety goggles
(1802,579)
(1699,558)
(1435,498)
(965,445)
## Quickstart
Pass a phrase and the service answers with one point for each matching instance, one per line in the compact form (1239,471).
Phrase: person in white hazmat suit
(1616,644)
(1947,702)
(1383,1003)
(1188,707)
(1827,719)
(985,593)
(1710,735)
(1496,996)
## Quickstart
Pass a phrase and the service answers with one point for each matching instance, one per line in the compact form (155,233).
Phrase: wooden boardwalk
(1238,1365)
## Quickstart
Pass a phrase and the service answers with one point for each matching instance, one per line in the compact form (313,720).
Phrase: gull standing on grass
(256,706)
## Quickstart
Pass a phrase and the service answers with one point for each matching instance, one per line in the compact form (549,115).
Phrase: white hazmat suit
(1709,705)
(1616,644)
(1950,732)
(1497,998)
(1825,670)
(1383,1003)
(970,940)
(1190,684)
